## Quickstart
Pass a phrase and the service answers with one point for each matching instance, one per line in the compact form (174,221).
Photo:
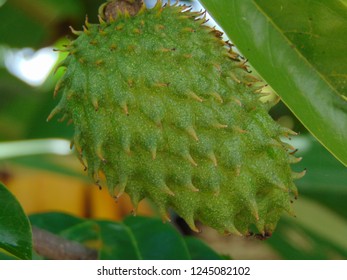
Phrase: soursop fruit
(164,109)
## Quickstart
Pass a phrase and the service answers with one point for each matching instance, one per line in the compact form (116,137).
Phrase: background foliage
(299,49)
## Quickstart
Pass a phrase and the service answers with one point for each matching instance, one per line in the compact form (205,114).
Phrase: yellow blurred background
(44,191)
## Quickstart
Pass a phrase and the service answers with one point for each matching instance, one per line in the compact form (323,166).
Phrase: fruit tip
(165,217)
(191,131)
(193,188)
(213,158)
(191,160)
(231,229)
(299,175)
(194,96)
(75,32)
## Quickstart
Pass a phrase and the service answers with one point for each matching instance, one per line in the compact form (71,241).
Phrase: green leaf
(330,225)
(118,242)
(326,178)
(87,233)
(15,231)
(136,238)
(35,104)
(307,237)
(18,29)
(299,48)
(15,97)
(27,23)
(156,240)
(296,242)
(55,222)
(199,250)
(59,9)
(6,256)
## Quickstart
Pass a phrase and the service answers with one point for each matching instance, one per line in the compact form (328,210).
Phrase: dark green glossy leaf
(87,233)
(54,222)
(200,251)
(156,240)
(113,240)
(15,231)
(118,242)
(299,48)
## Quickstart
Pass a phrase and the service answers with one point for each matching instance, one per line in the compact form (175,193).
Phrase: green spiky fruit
(164,109)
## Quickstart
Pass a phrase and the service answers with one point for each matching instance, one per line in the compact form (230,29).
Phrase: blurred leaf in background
(15,230)
(38,23)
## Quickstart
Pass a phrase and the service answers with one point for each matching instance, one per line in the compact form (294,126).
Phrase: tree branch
(54,247)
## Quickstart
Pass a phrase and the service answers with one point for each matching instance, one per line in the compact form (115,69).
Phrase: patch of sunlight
(33,67)
(302,143)
(2,2)
(34,147)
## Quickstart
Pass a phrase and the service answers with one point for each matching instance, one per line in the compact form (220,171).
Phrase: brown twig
(54,247)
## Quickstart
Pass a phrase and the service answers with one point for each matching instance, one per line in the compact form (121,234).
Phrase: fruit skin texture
(164,109)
